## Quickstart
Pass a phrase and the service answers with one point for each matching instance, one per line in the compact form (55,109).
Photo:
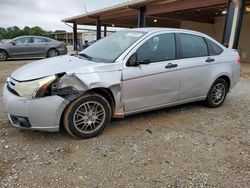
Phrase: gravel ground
(184,146)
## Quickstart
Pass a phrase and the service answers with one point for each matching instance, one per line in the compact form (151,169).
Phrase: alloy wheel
(218,93)
(52,53)
(3,56)
(89,117)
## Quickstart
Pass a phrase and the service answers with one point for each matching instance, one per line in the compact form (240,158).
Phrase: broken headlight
(34,88)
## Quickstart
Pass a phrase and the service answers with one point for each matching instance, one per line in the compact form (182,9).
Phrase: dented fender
(72,85)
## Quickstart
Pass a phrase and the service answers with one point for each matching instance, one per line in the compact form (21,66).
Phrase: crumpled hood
(51,66)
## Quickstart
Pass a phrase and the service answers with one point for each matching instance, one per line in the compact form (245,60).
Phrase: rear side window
(39,40)
(158,48)
(214,49)
(192,46)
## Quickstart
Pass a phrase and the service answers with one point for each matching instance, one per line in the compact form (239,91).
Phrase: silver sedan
(128,72)
(31,46)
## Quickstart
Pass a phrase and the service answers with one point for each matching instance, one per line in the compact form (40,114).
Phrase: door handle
(170,65)
(209,60)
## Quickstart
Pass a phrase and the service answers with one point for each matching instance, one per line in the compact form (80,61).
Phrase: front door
(21,47)
(155,84)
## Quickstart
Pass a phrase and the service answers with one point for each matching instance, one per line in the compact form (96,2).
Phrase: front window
(111,47)
(158,48)
(25,40)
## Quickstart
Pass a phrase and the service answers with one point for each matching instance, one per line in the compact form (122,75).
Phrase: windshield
(111,47)
(5,40)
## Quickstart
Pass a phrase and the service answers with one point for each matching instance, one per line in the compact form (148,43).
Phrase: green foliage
(60,31)
(12,32)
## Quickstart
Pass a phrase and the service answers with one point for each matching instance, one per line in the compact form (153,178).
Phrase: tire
(3,55)
(217,93)
(87,116)
(52,53)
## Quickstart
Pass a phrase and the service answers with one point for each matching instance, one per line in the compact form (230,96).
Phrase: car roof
(32,36)
(158,29)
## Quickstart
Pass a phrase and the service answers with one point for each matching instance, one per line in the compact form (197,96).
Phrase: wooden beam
(182,5)
(118,14)
(187,17)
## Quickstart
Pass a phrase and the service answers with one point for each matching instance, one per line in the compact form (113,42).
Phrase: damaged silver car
(128,72)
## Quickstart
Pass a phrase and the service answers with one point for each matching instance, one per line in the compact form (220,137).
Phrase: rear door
(198,67)
(39,46)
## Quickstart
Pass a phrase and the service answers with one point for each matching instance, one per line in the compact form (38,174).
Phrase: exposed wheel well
(5,52)
(107,94)
(227,79)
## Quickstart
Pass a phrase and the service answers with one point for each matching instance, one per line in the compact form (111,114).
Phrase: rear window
(192,46)
(214,49)
(40,40)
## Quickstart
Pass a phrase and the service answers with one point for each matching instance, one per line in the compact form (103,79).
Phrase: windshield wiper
(86,56)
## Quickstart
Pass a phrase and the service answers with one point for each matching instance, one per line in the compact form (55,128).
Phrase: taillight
(62,45)
(238,60)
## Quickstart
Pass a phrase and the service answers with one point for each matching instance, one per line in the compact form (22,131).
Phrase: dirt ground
(185,146)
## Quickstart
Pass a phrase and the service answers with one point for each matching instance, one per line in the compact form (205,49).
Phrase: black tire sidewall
(69,114)
(209,96)
(6,54)
(50,51)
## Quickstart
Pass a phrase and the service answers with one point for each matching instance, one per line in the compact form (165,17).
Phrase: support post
(240,20)
(233,23)
(98,29)
(75,36)
(105,30)
(142,17)
(67,39)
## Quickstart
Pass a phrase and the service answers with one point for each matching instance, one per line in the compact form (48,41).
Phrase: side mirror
(13,43)
(133,62)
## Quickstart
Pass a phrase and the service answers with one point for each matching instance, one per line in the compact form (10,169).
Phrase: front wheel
(217,93)
(87,116)
(3,55)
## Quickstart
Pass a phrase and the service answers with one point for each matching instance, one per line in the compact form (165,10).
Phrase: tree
(3,32)
(60,31)
(37,31)
(12,32)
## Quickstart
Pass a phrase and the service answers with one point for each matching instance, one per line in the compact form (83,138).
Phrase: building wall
(216,31)
(91,35)
(244,43)
(201,27)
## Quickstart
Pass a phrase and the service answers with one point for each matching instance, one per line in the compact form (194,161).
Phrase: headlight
(34,88)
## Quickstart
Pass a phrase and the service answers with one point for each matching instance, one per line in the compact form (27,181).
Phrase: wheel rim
(218,93)
(52,53)
(3,55)
(89,117)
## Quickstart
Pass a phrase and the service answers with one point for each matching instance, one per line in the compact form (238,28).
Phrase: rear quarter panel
(229,66)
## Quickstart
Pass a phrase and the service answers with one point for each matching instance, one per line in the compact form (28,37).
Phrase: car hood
(61,64)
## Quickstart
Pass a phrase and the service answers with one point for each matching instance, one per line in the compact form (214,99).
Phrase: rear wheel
(3,55)
(217,94)
(87,116)
(52,53)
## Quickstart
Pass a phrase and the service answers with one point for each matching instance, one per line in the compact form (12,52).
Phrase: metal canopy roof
(159,13)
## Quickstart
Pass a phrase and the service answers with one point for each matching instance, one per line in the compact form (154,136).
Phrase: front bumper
(38,114)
